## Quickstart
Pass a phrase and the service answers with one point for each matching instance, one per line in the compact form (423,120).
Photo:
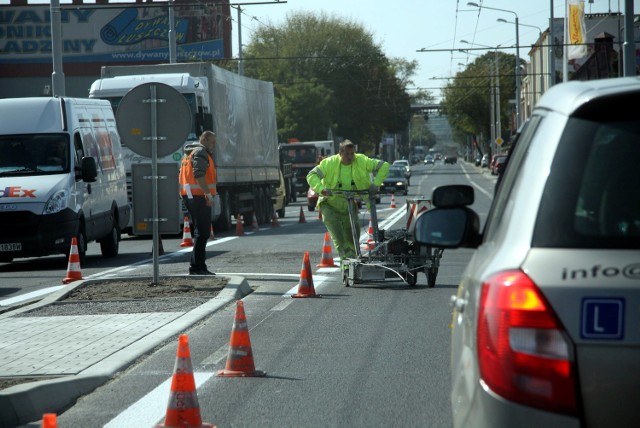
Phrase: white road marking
(151,409)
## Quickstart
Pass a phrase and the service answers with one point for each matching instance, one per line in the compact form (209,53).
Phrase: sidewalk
(82,352)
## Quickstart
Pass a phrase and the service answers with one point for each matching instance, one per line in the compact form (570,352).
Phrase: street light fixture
(473,4)
(541,56)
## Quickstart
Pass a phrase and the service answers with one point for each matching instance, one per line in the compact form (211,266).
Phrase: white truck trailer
(240,110)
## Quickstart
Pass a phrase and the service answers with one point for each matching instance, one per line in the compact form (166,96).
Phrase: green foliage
(328,73)
(467,99)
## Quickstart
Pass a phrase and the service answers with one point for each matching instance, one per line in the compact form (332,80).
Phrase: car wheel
(109,245)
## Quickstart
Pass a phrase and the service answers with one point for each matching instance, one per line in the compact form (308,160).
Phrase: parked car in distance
(396,182)
(545,328)
(484,163)
(495,159)
(478,160)
(428,160)
(501,164)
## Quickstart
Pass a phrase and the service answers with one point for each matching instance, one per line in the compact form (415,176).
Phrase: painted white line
(31,295)
(151,409)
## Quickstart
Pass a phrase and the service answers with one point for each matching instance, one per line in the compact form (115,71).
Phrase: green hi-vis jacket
(331,174)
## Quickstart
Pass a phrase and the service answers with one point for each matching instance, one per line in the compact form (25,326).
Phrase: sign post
(154,119)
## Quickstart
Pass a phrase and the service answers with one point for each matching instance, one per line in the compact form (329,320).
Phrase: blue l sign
(602,318)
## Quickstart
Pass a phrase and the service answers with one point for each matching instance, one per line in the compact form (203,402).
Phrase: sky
(402,27)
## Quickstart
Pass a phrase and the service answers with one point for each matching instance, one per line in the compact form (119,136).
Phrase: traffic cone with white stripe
(187,240)
(305,286)
(183,409)
(73,268)
(370,244)
(239,226)
(240,357)
(327,257)
(393,201)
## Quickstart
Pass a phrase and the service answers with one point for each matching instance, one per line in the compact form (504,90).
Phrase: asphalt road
(369,355)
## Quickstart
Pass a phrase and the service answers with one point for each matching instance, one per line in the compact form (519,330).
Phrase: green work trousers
(339,227)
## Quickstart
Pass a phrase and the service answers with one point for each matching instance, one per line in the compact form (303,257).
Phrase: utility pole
(57,77)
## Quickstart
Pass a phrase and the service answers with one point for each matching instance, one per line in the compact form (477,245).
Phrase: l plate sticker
(602,318)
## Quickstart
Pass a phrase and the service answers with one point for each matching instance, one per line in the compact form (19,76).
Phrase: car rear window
(592,195)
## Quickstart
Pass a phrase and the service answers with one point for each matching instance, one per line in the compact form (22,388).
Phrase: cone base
(237,373)
(300,296)
(186,245)
(321,265)
(70,280)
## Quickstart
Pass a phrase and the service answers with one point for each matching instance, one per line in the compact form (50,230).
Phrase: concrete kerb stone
(27,402)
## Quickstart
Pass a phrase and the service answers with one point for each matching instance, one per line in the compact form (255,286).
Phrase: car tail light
(523,353)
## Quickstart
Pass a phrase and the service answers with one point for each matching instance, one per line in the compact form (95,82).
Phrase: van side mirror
(89,169)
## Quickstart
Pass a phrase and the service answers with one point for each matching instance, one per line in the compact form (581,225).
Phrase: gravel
(131,295)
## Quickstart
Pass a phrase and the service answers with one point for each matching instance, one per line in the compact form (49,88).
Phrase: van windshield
(34,154)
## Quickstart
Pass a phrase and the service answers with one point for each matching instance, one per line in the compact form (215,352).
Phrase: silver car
(546,319)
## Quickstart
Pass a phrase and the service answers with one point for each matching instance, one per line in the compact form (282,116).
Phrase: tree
(328,73)
(467,99)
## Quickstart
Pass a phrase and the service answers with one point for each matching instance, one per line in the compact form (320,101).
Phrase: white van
(61,176)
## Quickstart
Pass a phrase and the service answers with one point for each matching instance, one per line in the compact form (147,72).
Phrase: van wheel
(82,245)
(109,245)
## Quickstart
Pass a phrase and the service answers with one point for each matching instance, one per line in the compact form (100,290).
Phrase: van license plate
(11,247)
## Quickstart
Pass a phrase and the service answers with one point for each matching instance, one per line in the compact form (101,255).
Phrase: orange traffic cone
(370,244)
(302,219)
(254,222)
(183,409)
(393,201)
(187,241)
(73,268)
(274,219)
(305,286)
(327,257)
(49,420)
(239,226)
(211,235)
(240,357)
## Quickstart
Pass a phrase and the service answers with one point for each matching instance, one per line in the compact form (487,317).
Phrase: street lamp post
(541,55)
(517,55)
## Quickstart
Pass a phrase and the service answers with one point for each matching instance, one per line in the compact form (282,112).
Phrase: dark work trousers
(200,215)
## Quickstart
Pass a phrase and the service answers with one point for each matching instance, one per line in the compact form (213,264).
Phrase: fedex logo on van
(17,192)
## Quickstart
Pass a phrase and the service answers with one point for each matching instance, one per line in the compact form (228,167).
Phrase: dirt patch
(127,288)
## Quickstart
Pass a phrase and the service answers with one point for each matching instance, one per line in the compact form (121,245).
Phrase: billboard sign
(113,34)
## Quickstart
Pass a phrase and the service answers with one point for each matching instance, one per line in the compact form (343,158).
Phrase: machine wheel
(411,278)
(110,243)
(431,273)
(345,277)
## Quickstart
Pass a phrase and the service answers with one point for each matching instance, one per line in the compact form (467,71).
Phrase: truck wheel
(223,223)
(268,206)
(109,245)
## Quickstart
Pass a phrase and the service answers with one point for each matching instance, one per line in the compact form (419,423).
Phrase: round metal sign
(172,123)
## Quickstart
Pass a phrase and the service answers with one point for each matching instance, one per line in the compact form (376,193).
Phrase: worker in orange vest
(198,189)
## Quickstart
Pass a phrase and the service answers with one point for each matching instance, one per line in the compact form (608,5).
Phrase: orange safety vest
(187,178)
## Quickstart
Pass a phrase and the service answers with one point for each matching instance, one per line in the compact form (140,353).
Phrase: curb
(27,402)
